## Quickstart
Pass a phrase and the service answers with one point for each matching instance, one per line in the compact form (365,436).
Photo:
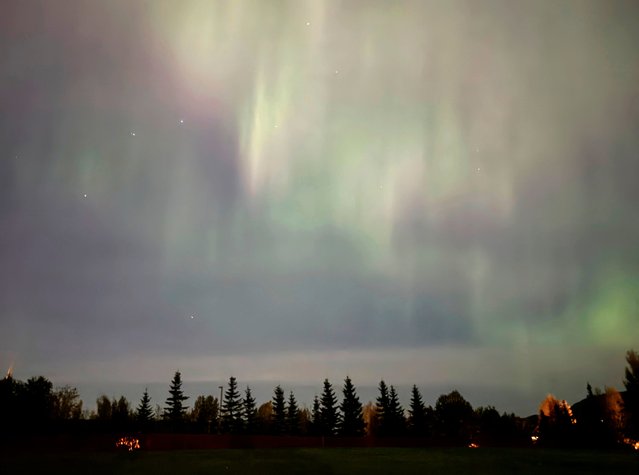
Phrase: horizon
(522,403)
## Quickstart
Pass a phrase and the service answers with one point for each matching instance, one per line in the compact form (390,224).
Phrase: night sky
(435,192)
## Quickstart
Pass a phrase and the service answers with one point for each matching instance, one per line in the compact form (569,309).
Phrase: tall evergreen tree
(395,420)
(382,409)
(250,412)
(175,410)
(328,410)
(316,417)
(292,415)
(144,412)
(417,414)
(232,409)
(352,423)
(279,411)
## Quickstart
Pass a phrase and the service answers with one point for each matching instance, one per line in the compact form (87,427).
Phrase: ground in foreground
(323,461)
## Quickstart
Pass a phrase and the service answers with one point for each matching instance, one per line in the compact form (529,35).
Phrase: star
(132,134)
(308,23)
(85,195)
(192,317)
(181,121)
(478,169)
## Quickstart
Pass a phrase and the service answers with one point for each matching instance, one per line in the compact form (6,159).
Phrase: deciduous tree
(265,418)
(103,404)
(38,401)
(204,414)
(556,425)
(121,414)
(67,403)
(454,418)
(631,398)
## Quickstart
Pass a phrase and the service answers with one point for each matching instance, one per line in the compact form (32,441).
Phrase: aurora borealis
(430,192)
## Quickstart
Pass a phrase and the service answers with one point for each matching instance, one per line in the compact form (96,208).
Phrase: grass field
(324,461)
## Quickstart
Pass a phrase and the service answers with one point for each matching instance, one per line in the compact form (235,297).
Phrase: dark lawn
(323,461)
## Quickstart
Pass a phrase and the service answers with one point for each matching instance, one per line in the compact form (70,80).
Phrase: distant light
(478,169)
(181,121)
(128,443)
(85,195)
(336,71)
(192,317)
(308,23)
(133,134)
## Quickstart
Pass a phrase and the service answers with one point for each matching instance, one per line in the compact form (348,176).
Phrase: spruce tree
(144,413)
(329,416)
(417,414)
(316,417)
(175,410)
(279,411)
(250,412)
(396,422)
(382,408)
(292,415)
(352,423)
(232,409)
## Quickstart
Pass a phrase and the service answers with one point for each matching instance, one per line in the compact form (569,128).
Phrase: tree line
(603,418)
